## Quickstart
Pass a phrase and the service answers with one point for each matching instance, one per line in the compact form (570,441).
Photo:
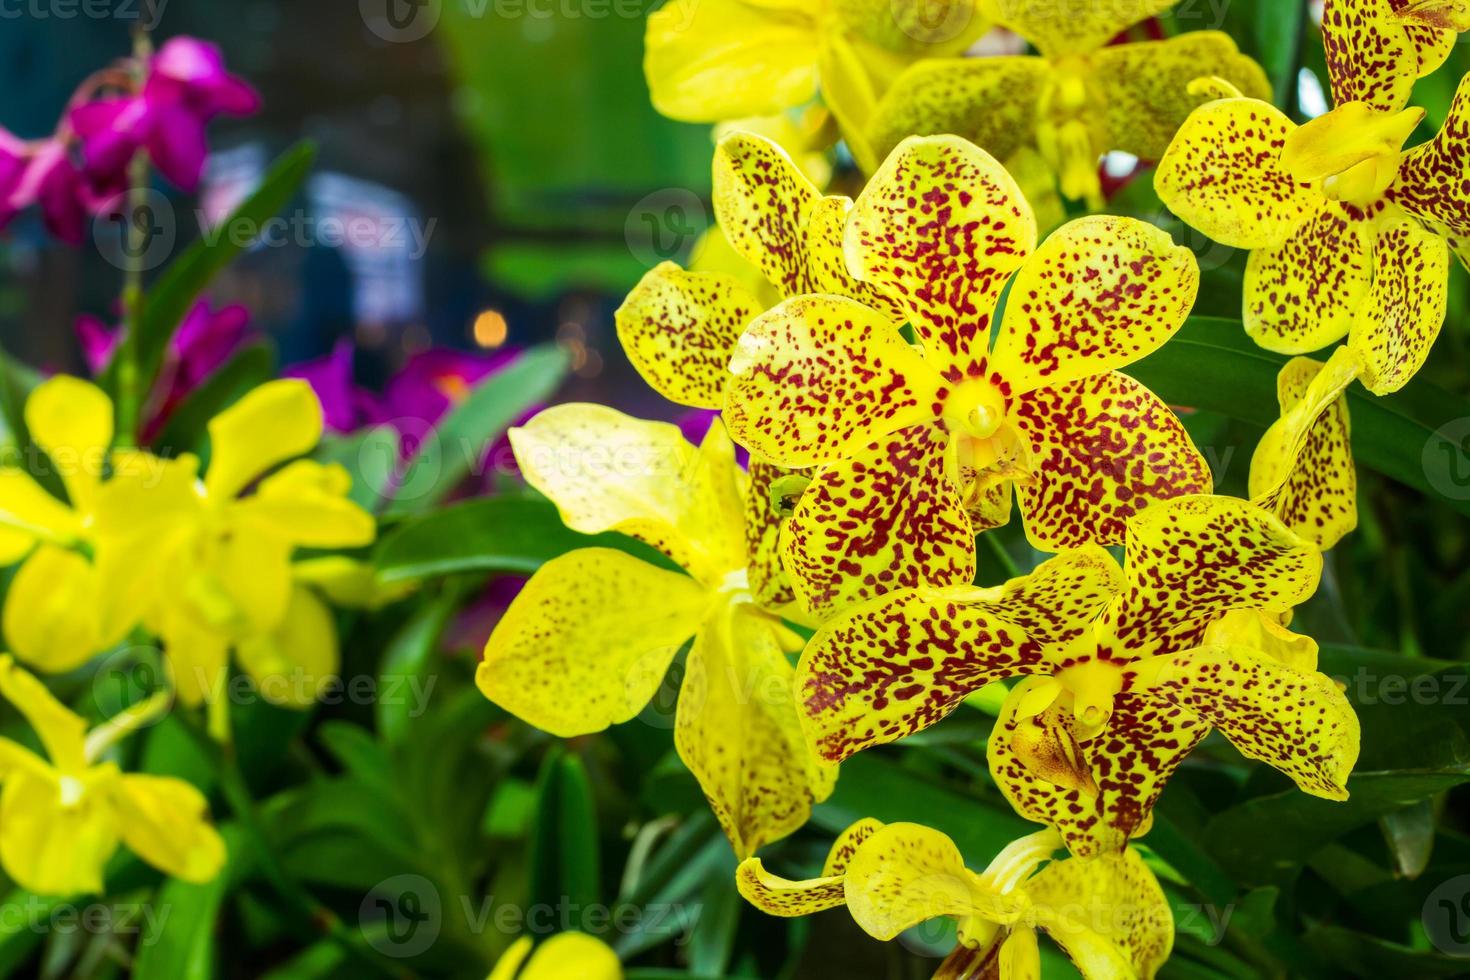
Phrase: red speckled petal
(1433,182)
(1307,293)
(1406,307)
(1371,57)
(763,203)
(1103,449)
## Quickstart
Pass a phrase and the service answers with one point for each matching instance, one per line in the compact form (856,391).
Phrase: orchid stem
(129,397)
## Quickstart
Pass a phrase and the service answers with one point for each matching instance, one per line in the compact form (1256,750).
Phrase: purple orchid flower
(187,86)
(346,407)
(205,340)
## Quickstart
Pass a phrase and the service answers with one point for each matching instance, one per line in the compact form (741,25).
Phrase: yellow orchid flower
(62,817)
(54,616)
(1350,233)
(563,956)
(587,642)
(216,559)
(1126,671)
(1302,470)
(921,447)
(1076,102)
(721,60)
(1108,915)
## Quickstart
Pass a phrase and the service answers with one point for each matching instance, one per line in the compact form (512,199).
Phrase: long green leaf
(1212,365)
(565,853)
(180,943)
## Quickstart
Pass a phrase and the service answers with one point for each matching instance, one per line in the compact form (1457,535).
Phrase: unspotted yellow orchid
(921,447)
(587,642)
(564,956)
(1302,469)
(212,562)
(1108,915)
(1076,102)
(721,60)
(1126,671)
(1350,233)
(62,607)
(62,817)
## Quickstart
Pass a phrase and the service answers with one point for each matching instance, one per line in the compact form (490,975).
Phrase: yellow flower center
(975,408)
(1063,134)
(71,790)
(1352,153)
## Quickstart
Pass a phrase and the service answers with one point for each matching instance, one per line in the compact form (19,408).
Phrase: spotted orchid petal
(1144,87)
(1070,28)
(1223,175)
(724,59)
(1109,915)
(1099,294)
(581,647)
(763,203)
(775,895)
(1432,179)
(992,102)
(905,874)
(607,471)
(1100,793)
(1406,306)
(887,518)
(1375,50)
(762,783)
(1104,449)
(770,584)
(1299,722)
(1308,292)
(1302,470)
(679,328)
(896,665)
(941,226)
(820,377)
(1192,560)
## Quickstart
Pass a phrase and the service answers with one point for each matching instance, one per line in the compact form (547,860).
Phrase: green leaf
(456,447)
(187,277)
(1212,365)
(371,458)
(713,940)
(1369,956)
(566,869)
(186,427)
(180,945)
(407,666)
(488,534)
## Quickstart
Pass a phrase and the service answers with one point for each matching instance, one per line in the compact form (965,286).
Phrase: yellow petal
(1298,721)
(1100,793)
(850,93)
(913,26)
(1223,175)
(1103,450)
(1191,560)
(72,420)
(1073,28)
(887,518)
(1109,914)
(1354,133)
(762,782)
(1406,306)
(820,377)
(607,471)
(28,512)
(582,647)
(1099,294)
(905,874)
(1145,86)
(1302,470)
(62,732)
(1263,633)
(293,663)
(711,60)
(782,896)
(273,423)
(573,954)
(197,655)
(1020,957)
(306,504)
(58,836)
(763,203)
(1371,56)
(769,583)
(932,190)
(51,611)
(348,582)
(510,962)
(992,102)
(1307,292)
(679,328)
(1433,181)
(165,821)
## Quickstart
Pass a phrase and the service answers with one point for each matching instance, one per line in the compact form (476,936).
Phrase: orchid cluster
(904,364)
(157,104)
